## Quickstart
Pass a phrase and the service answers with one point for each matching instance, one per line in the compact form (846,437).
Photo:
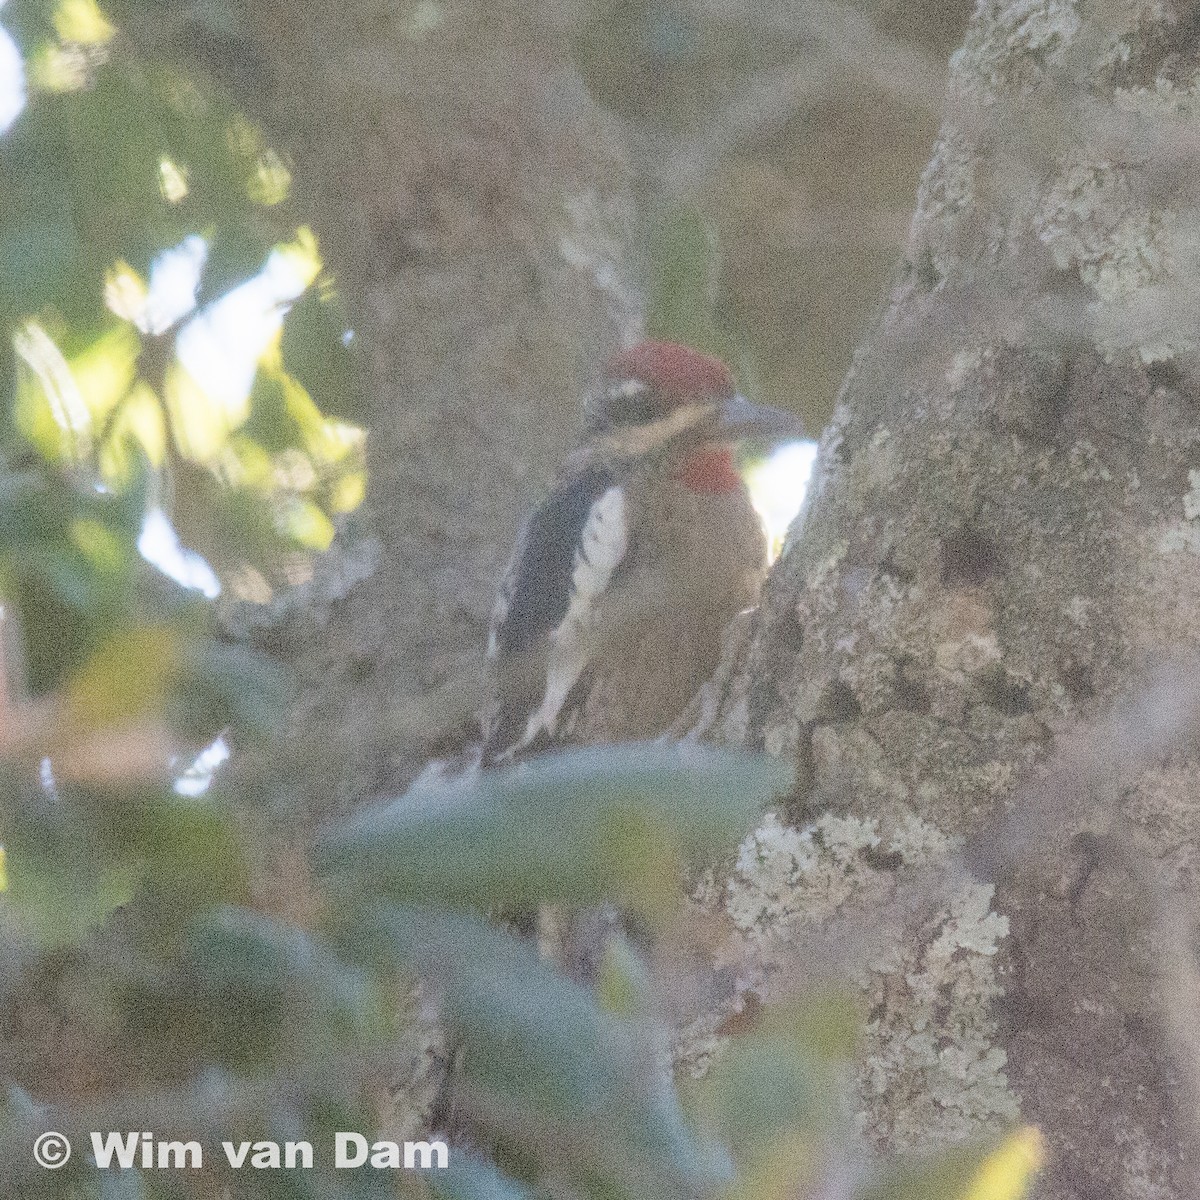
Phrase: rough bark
(473,205)
(1000,544)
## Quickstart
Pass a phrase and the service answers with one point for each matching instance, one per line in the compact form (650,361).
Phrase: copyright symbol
(51,1150)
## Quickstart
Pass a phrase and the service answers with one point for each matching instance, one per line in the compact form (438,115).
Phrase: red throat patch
(710,468)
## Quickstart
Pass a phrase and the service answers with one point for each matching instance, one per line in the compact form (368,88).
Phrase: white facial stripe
(641,439)
(602,545)
(629,389)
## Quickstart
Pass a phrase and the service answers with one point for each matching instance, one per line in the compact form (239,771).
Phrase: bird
(623,580)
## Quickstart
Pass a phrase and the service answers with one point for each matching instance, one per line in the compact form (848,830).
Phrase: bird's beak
(740,418)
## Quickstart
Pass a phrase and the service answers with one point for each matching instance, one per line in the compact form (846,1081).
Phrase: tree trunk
(1001,542)
(473,205)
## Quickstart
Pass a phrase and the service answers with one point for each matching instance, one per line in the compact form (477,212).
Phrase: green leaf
(776,1093)
(762,1086)
(122,1185)
(126,678)
(623,986)
(42,253)
(999,1169)
(247,991)
(192,851)
(231,685)
(60,605)
(113,141)
(234,951)
(37,262)
(316,355)
(59,889)
(29,21)
(581,1087)
(236,948)
(684,278)
(470,1179)
(68,562)
(304,523)
(271,422)
(615,823)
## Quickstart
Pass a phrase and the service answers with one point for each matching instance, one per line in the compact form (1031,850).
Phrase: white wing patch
(602,545)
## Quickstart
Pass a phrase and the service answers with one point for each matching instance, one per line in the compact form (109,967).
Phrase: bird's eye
(629,402)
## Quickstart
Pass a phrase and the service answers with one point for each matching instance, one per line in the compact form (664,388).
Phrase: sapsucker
(622,582)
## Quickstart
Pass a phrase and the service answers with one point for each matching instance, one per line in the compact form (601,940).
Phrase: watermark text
(124,1150)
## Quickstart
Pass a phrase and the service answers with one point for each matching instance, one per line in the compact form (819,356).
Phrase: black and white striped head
(660,393)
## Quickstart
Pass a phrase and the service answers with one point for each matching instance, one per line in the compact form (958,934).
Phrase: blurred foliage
(149,252)
(185,960)
(597,828)
(685,303)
